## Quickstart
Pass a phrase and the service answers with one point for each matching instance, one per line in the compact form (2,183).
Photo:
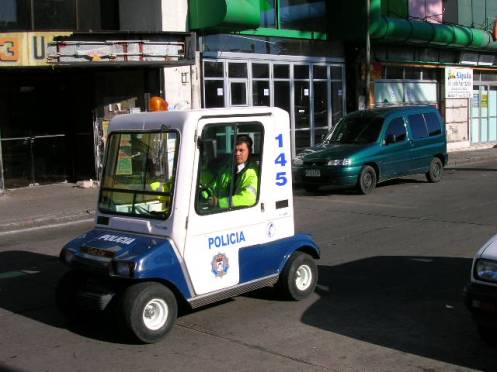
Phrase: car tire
(66,292)
(434,175)
(487,334)
(148,311)
(309,187)
(299,277)
(367,180)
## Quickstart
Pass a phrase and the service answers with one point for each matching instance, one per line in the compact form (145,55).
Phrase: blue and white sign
(458,82)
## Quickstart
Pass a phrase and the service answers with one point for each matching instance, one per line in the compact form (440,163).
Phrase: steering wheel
(204,192)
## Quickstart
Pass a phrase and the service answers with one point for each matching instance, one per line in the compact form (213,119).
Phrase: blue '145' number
(281,178)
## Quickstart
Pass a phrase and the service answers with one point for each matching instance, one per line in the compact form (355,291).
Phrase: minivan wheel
(367,180)
(436,169)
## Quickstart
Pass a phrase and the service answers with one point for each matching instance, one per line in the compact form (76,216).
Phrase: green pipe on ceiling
(416,32)
(227,14)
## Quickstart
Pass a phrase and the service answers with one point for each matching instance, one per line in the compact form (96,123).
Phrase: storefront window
(306,15)
(14,15)
(44,15)
(54,14)
(311,93)
(268,13)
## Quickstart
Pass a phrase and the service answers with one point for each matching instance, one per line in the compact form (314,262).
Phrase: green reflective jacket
(244,190)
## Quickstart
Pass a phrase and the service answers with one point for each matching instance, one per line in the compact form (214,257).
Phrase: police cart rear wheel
(299,278)
(434,175)
(66,293)
(148,311)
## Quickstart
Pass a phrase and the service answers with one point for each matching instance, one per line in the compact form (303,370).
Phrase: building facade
(425,52)
(67,67)
(272,53)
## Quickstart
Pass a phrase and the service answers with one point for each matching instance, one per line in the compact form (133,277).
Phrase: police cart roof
(153,121)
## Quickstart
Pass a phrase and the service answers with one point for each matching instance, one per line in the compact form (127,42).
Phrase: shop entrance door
(312,92)
(484,114)
(237,84)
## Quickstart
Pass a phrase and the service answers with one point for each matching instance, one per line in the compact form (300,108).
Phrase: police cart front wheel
(148,311)
(299,278)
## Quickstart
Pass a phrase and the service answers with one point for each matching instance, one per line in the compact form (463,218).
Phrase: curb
(465,161)
(46,221)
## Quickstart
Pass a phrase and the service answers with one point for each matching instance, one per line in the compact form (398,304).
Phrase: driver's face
(241,153)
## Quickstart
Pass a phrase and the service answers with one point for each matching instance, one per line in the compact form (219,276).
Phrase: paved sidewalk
(65,202)
(45,205)
(458,158)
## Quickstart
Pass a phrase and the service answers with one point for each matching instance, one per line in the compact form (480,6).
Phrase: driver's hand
(204,195)
(212,201)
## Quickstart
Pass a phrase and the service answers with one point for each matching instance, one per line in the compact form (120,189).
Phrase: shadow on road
(27,287)
(471,169)
(411,304)
(328,190)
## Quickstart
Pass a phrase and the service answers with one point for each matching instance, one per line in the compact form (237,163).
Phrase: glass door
(237,83)
(475,115)
(483,114)
(261,91)
(302,105)
(320,102)
(492,114)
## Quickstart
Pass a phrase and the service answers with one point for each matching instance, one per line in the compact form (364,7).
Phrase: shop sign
(484,100)
(26,48)
(458,82)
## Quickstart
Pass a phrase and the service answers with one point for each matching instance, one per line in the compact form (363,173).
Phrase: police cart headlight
(66,256)
(342,162)
(486,270)
(123,268)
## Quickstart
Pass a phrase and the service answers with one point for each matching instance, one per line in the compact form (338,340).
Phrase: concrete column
(174,15)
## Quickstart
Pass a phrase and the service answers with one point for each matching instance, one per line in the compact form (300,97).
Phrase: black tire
(299,277)
(487,334)
(66,293)
(310,187)
(434,175)
(367,180)
(148,300)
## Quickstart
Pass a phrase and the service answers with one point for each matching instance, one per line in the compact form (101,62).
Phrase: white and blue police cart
(161,238)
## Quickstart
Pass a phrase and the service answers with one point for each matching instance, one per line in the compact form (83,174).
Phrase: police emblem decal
(220,265)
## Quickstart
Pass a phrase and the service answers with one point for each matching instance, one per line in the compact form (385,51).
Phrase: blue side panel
(266,259)
(163,263)
(155,257)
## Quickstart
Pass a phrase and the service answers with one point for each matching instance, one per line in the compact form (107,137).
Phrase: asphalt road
(389,296)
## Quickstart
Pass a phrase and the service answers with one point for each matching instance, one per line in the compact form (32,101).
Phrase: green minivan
(371,146)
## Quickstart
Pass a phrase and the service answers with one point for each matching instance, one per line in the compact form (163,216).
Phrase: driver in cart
(244,179)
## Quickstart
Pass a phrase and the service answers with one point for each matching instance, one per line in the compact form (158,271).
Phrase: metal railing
(33,160)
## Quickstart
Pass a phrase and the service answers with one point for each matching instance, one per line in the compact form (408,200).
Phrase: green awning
(224,14)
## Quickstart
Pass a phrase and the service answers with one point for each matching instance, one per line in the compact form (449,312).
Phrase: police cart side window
(229,167)
(139,174)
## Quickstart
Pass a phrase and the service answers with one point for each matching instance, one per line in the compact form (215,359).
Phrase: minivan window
(433,124)
(417,126)
(357,129)
(397,128)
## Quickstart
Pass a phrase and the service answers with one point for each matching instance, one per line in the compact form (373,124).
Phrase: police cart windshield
(139,174)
